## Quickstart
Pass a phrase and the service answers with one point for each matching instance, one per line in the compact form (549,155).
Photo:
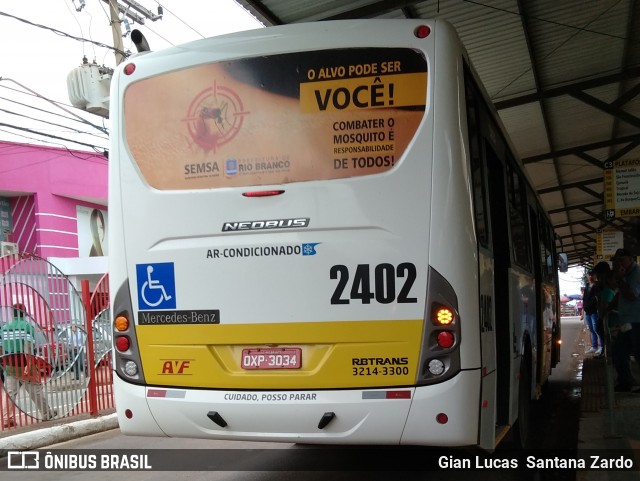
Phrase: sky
(37,59)
(571,281)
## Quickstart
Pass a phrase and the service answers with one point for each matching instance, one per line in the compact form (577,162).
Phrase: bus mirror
(563,262)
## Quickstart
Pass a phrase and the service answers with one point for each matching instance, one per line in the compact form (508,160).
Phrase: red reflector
(422,31)
(128,413)
(156,393)
(485,404)
(263,193)
(129,68)
(398,395)
(122,343)
(442,418)
(446,339)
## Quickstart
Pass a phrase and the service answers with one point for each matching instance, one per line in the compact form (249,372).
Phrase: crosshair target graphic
(215,116)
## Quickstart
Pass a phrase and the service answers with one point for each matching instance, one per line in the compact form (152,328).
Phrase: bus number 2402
(386,276)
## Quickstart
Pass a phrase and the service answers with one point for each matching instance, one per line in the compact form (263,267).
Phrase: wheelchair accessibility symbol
(156,286)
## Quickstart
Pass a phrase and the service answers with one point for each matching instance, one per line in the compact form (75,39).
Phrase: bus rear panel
(276,270)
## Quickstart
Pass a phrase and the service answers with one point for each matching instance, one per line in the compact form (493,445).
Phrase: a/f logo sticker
(177,367)
(156,286)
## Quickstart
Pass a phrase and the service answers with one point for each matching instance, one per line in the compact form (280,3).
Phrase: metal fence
(56,344)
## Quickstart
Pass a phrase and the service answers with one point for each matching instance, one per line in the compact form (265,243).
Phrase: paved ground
(604,429)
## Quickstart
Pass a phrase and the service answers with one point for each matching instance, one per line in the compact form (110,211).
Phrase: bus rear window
(276,119)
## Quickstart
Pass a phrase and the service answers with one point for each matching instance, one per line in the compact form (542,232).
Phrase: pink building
(53,204)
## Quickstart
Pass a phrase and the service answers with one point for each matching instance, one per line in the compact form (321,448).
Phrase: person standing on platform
(590,313)
(628,271)
(619,347)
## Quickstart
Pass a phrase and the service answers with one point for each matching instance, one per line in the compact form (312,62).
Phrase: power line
(24,129)
(79,25)
(57,104)
(66,127)
(38,143)
(30,147)
(49,112)
(157,34)
(103,152)
(64,34)
(185,23)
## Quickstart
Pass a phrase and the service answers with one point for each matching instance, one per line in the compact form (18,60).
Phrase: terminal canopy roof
(564,77)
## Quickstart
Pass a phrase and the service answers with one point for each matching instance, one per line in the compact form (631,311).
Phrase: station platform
(609,421)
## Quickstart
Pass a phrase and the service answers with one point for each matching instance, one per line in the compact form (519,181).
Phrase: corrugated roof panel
(393,15)
(600,154)
(570,41)
(576,123)
(574,41)
(572,169)
(631,107)
(610,94)
(525,127)
(552,200)
(542,174)
(493,37)
(293,11)
(607,93)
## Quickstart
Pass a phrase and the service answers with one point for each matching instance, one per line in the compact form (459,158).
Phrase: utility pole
(88,85)
(115,8)
(116,31)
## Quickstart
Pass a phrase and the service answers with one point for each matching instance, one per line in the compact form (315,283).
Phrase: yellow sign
(622,188)
(608,240)
(389,91)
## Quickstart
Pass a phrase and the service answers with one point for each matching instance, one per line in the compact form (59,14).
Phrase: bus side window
(520,239)
(545,257)
(478,175)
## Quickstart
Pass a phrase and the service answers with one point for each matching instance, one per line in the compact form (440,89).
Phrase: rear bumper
(371,416)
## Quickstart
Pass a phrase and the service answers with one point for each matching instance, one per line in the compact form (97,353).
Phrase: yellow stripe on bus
(334,354)
(385,91)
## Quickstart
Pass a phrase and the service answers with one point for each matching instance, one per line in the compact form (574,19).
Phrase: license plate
(272,358)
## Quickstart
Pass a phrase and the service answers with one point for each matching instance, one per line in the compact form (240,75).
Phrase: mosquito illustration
(215,113)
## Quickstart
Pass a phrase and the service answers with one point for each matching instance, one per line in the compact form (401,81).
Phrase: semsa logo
(265,224)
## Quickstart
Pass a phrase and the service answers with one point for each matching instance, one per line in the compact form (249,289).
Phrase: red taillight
(263,193)
(129,68)
(422,31)
(122,343)
(446,339)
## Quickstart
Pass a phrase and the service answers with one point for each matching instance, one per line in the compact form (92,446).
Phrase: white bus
(321,234)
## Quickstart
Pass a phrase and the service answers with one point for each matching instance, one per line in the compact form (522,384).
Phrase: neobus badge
(265,224)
